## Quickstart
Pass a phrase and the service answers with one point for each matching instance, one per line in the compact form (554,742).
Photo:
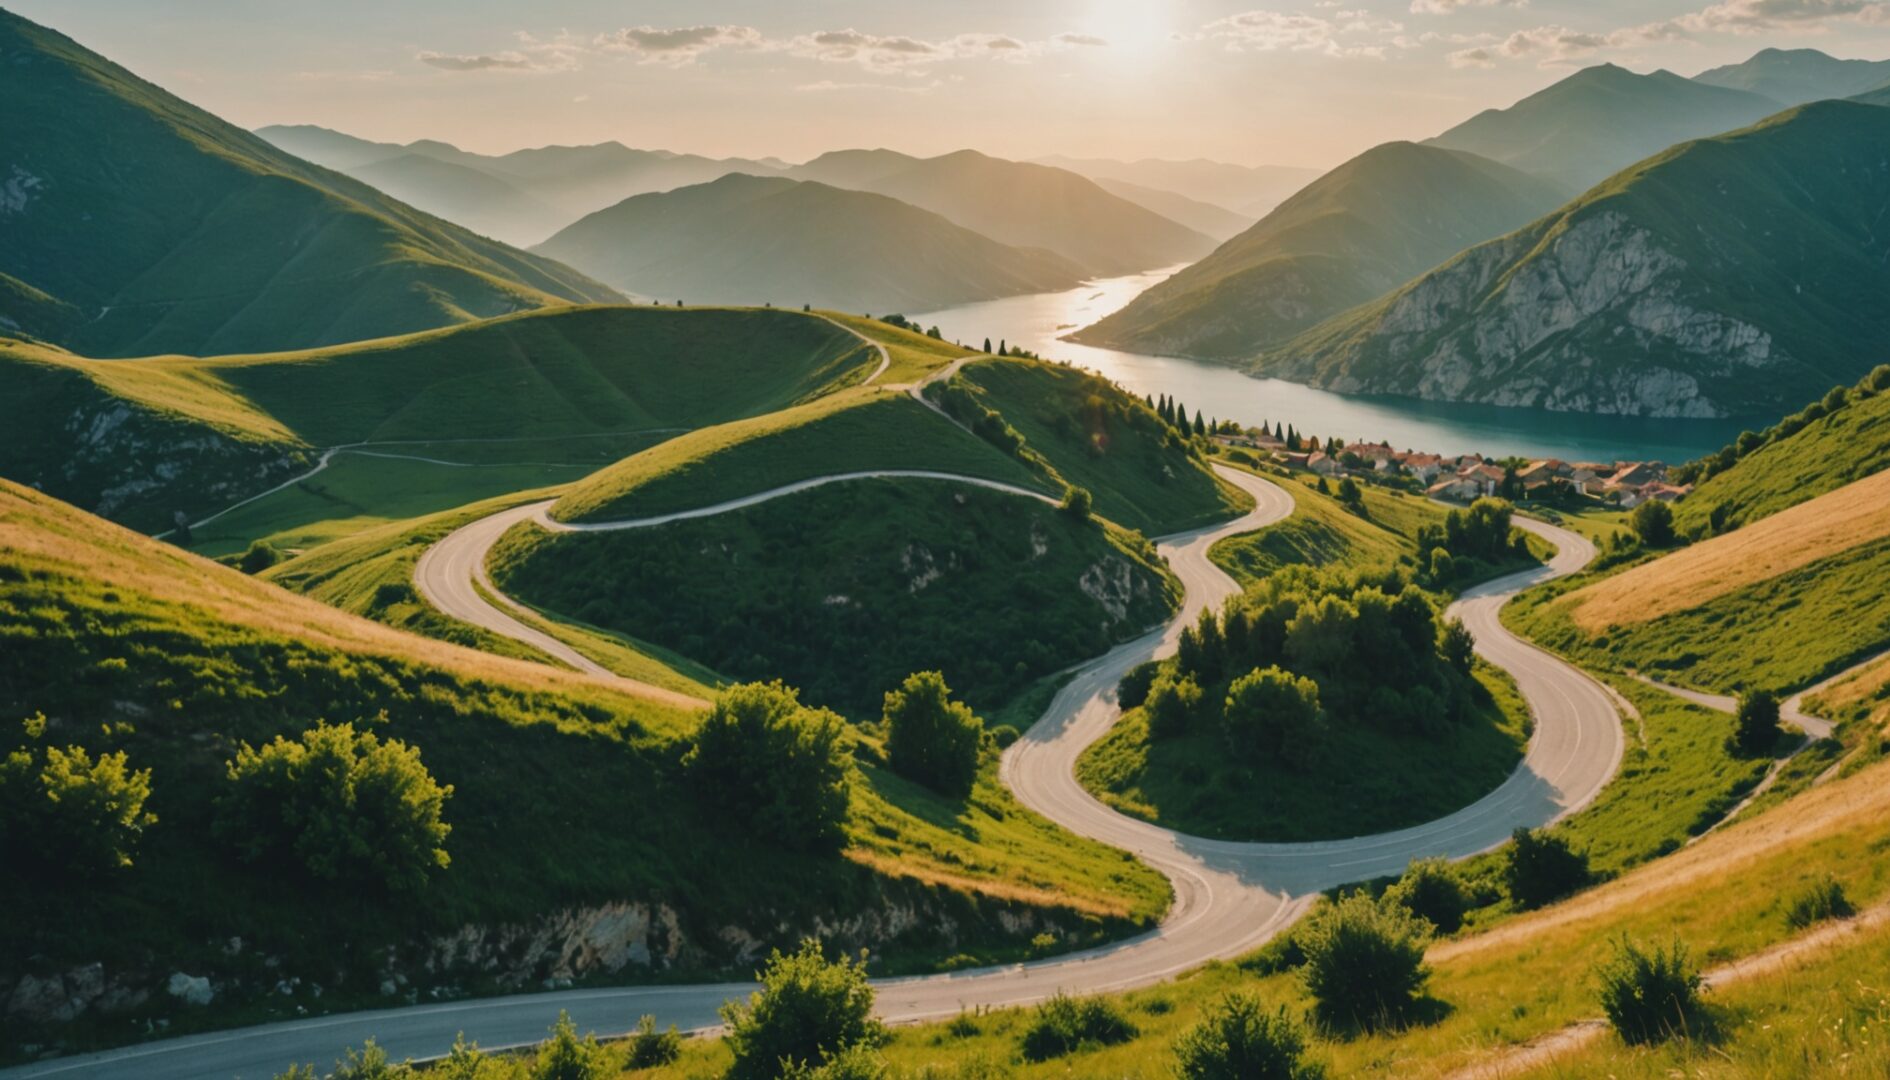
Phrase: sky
(1297,82)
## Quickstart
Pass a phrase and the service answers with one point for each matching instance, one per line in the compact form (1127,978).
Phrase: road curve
(1229,896)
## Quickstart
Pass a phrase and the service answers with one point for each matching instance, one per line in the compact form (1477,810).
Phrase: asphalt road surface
(1229,897)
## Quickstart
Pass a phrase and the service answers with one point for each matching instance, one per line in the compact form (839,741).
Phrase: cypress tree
(987,344)
(1200,425)
(1002,349)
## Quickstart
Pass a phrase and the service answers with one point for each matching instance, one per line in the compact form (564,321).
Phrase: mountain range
(1799,76)
(1362,229)
(132,222)
(1726,276)
(752,240)
(1251,191)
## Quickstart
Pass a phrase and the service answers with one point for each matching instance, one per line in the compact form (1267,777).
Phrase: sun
(1129,25)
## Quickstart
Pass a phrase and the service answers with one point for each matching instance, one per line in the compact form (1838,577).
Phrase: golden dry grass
(45,530)
(1854,514)
(930,873)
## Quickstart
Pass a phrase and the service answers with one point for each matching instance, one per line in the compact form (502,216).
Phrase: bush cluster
(1650,995)
(929,737)
(1539,867)
(778,765)
(1364,961)
(809,1013)
(1064,1025)
(1239,1040)
(63,808)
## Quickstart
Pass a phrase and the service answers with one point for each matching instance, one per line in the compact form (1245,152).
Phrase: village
(1465,477)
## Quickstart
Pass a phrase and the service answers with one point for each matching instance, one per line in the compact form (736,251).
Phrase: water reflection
(1036,322)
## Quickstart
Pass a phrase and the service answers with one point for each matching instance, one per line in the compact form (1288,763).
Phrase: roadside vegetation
(234,705)
(894,575)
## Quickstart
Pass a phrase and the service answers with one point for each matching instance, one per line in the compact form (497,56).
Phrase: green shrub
(345,804)
(853,1063)
(1272,713)
(1063,1025)
(1755,727)
(1132,691)
(64,808)
(650,1047)
(1459,648)
(1076,503)
(564,1056)
(1172,705)
(463,1062)
(259,556)
(1432,890)
(1652,521)
(1239,1040)
(1003,735)
(931,738)
(807,1013)
(777,764)
(1650,995)
(370,1063)
(1822,899)
(1364,961)
(1540,867)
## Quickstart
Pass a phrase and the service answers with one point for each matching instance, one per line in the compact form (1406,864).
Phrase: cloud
(1445,7)
(828,85)
(505,61)
(1552,45)
(1767,16)
(677,46)
(1080,40)
(1277,31)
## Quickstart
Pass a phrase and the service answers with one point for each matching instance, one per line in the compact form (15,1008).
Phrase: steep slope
(1797,76)
(1020,204)
(1204,218)
(1830,443)
(481,201)
(141,441)
(170,230)
(1362,229)
(1729,276)
(752,240)
(1248,190)
(1602,119)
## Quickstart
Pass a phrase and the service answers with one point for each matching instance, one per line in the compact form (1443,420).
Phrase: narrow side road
(1229,897)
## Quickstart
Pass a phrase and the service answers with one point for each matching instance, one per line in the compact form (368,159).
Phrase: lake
(1036,321)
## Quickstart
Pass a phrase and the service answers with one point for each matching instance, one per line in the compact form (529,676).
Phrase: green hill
(140,441)
(748,239)
(486,204)
(1798,76)
(1729,276)
(1601,119)
(123,643)
(168,230)
(1355,233)
(1830,443)
(1024,205)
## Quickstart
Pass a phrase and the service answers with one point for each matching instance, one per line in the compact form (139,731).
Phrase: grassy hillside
(1323,532)
(182,659)
(141,441)
(752,240)
(1778,604)
(1087,432)
(172,231)
(1601,119)
(845,589)
(1839,439)
(1012,202)
(1734,275)
(1355,233)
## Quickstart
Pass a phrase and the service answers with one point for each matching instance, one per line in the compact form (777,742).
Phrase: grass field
(1523,978)
(854,431)
(1368,781)
(1323,532)
(913,356)
(1093,435)
(546,766)
(843,590)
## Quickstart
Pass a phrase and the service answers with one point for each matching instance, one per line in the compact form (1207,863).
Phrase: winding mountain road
(1229,896)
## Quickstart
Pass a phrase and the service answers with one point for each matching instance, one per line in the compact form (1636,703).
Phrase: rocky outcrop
(1600,317)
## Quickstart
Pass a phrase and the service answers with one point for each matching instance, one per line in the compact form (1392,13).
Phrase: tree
(929,737)
(1459,648)
(1349,494)
(1652,521)
(987,344)
(1172,704)
(1320,637)
(807,1012)
(777,764)
(1271,712)
(346,804)
(1364,961)
(62,807)
(1443,567)
(1292,438)
(1076,503)
(260,555)
(1002,349)
(650,1047)
(1540,868)
(1200,426)
(1237,1039)
(1756,729)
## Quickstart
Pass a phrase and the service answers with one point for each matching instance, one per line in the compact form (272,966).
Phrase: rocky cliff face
(1600,316)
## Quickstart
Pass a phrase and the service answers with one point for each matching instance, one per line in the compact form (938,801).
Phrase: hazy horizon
(1300,84)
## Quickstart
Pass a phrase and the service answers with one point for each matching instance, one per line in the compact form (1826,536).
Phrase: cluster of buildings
(1469,476)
